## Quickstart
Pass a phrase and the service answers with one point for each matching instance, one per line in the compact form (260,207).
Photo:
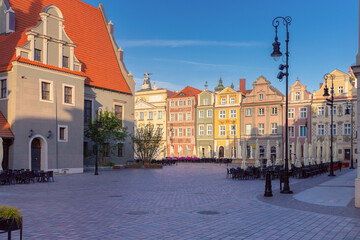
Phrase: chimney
(242,84)
(321,85)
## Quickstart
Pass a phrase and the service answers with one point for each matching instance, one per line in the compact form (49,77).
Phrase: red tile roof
(5,131)
(187,92)
(85,26)
(25,60)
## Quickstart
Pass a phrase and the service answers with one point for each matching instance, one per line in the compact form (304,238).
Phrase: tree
(108,135)
(147,142)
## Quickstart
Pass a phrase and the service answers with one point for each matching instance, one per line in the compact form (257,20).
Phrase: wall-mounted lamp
(31,133)
(49,134)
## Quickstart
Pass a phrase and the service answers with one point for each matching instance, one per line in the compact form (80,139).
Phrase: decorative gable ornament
(9,17)
(50,33)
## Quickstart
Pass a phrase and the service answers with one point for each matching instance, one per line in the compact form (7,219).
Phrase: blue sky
(189,42)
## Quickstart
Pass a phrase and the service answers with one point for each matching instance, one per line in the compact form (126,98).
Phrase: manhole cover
(208,212)
(115,181)
(137,213)
(199,193)
(115,196)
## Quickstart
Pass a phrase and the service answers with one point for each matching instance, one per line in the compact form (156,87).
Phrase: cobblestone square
(187,201)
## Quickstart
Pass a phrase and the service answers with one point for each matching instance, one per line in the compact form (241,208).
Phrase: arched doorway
(221,152)
(36,154)
(273,154)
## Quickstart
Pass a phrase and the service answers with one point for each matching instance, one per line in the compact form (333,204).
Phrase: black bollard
(268,191)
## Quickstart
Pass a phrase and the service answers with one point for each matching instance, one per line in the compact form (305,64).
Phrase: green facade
(205,124)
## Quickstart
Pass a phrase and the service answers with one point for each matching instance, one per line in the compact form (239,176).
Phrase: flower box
(133,166)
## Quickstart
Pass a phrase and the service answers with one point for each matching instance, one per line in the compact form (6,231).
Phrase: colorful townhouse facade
(59,63)
(299,113)
(262,118)
(227,122)
(205,124)
(344,116)
(181,123)
(150,107)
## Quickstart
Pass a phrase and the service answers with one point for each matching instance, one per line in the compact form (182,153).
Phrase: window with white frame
(291,131)
(3,83)
(141,115)
(209,130)
(172,117)
(159,114)
(180,103)
(333,128)
(180,116)
(188,116)
(321,111)
(209,113)
(340,89)
(223,101)
(248,112)
(248,129)
(150,115)
(189,102)
(172,103)
(261,111)
(303,112)
(232,113)
(274,111)
(320,129)
(334,110)
(303,131)
(37,55)
(222,114)
(68,94)
(232,130)
(201,130)
(347,129)
(118,111)
(232,100)
(291,113)
(261,128)
(222,130)
(62,133)
(201,114)
(46,90)
(274,128)
(261,96)
(205,101)
(180,132)
(297,96)
(188,132)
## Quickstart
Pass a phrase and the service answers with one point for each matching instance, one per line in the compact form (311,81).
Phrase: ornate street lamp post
(99,126)
(349,110)
(330,102)
(276,54)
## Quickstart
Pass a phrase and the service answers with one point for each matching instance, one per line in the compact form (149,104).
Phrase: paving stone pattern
(188,201)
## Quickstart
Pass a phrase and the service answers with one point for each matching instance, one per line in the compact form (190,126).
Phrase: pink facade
(299,115)
(262,117)
(181,111)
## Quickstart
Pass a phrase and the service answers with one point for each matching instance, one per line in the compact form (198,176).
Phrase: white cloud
(185,43)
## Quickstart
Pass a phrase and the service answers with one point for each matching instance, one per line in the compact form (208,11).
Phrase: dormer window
(261,96)
(297,96)
(65,62)
(37,55)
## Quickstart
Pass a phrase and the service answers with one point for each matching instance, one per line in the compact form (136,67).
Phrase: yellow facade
(226,118)
(150,107)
